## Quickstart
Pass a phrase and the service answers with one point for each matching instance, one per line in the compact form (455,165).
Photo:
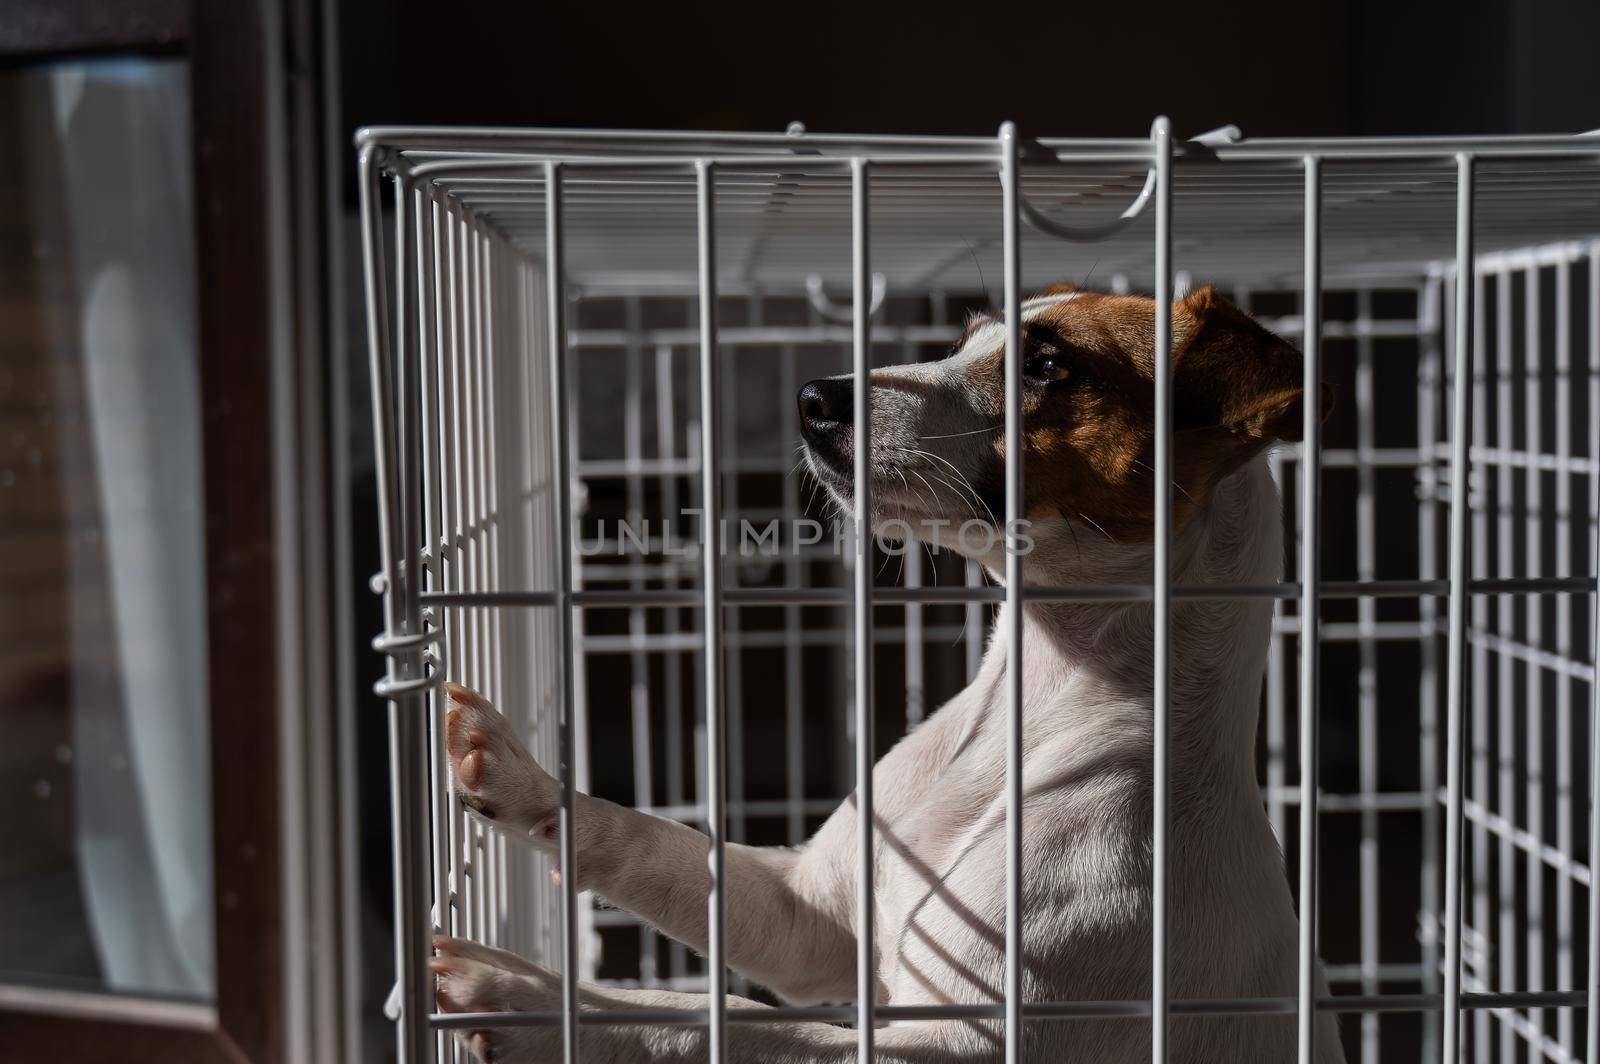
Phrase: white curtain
(141,760)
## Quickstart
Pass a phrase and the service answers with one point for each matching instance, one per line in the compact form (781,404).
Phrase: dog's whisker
(934,492)
(1173,481)
(978,265)
(1095,525)
(968,505)
(961,497)
(1076,546)
(957,435)
(1085,282)
(960,476)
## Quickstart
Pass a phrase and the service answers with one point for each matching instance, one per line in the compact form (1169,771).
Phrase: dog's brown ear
(1231,373)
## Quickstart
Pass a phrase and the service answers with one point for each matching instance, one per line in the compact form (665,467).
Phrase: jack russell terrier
(939,794)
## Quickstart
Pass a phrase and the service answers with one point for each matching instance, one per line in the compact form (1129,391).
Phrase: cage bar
(1310,606)
(861,444)
(793,689)
(1033,1010)
(1367,677)
(429,354)
(1161,594)
(561,463)
(1479,683)
(1563,639)
(1505,608)
(1455,678)
(402,640)
(716,721)
(1012,614)
(1592,998)
(1533,626)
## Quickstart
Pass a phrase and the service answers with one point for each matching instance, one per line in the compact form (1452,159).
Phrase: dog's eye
(1046,368)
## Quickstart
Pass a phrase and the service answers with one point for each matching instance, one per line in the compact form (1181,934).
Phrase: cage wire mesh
(480,387)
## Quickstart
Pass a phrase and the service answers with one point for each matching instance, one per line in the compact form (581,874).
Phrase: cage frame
(417,160)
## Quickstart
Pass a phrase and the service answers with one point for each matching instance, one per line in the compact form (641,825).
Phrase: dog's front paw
(475,978)
(495,775)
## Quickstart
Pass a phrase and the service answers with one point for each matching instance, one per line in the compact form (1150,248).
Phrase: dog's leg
(475,978)
(788,928)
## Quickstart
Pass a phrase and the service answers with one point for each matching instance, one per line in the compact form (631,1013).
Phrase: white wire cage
(577,337)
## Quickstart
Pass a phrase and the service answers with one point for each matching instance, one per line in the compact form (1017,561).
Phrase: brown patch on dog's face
(1089,407)
(1088,402)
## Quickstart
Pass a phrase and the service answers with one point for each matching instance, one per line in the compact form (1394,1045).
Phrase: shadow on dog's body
(1087,855)
(939,794)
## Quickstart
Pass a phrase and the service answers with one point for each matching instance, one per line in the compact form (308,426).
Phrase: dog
(938,460)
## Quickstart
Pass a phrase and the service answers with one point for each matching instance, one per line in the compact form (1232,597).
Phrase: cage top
(782,203)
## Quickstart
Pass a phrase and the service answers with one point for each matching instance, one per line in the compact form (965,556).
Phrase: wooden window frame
(226,46)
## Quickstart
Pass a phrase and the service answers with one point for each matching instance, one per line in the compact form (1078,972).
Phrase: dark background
(1275,69)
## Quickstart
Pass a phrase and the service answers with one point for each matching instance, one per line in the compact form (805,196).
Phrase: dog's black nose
(826,401)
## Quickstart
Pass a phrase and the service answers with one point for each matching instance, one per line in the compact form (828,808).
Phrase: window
(106,882)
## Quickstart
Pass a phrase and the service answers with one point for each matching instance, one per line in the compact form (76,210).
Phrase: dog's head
(938,439)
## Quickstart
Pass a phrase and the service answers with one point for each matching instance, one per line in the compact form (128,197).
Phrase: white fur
(992,333)
(940,838)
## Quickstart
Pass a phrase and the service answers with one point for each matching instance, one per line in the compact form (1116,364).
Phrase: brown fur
(1090,440)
